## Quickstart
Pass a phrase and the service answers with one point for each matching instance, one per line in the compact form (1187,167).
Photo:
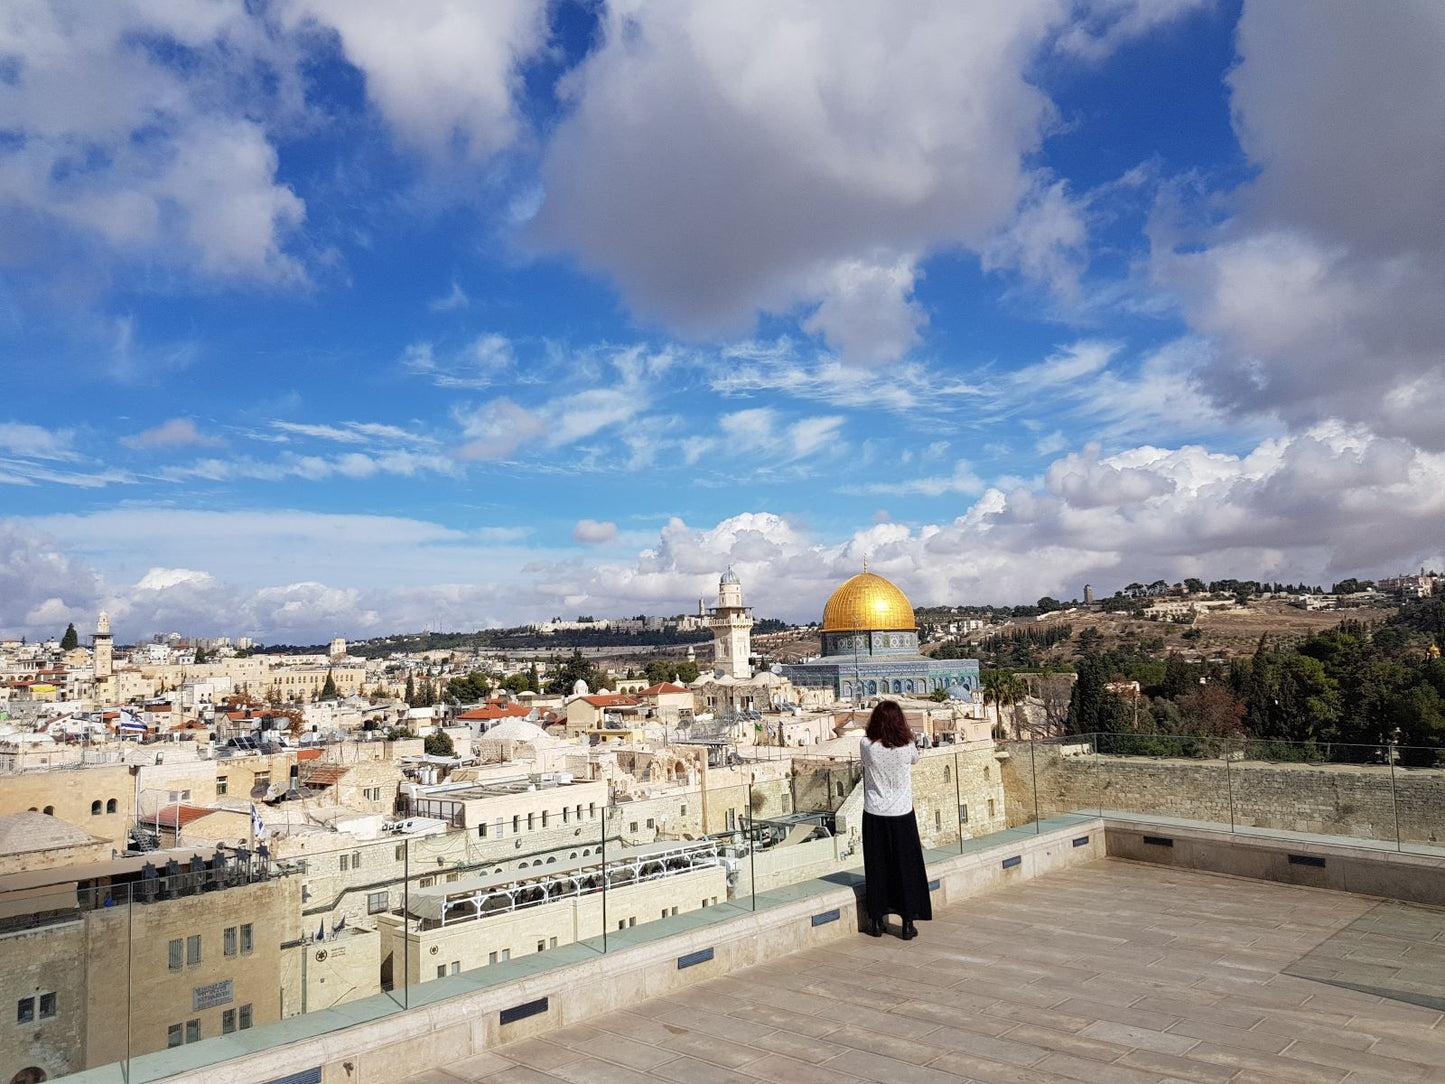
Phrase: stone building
(731,623)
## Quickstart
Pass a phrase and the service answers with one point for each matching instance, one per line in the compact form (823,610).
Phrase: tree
(515,683)
(439,744)
(410,693)
(1047,605)
(534,684)
(1002,689)
(328,689)
(1212,711)
(1194,585)
(70,640)
(1093,707)
(573,669)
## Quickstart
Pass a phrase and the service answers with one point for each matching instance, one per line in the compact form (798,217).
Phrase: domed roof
(518,730)
(729,577)
(23,832)
(866,603)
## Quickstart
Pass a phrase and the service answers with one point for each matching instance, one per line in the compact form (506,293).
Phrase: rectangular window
(684,811)
(544,818)
(47,1006)
(566,814)
(963,813)
(990,807)
(491,957)
(650,823)
(531,818)
(937,820)
(506,954)
(400,852)
(25,1010)
(175,951)
(245,1017)
(551,942)
(632,827)
(262,779)
(355,859)
(426,882)
(516,823)
(456,967)
(193,1031)
(482,830)
(542,945)
(377,902)
(221,784)
(228,941)
(345,862)
(246,943)
(173,1035)
(591,810)
(193,951)
(441,971)
(228,1021)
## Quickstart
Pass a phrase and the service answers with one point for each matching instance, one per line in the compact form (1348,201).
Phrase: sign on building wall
(212,994)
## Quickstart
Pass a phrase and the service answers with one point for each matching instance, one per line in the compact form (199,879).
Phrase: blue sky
(324,318)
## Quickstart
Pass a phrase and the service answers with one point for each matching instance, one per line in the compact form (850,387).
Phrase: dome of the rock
(865,603)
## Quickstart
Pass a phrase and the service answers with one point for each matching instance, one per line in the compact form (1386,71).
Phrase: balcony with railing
(477,943)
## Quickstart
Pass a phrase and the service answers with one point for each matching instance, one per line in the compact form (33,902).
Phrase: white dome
(519,730)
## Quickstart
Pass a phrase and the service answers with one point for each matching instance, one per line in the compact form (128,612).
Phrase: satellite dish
(260,790)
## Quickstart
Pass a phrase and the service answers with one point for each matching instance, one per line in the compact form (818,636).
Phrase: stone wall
(1329,799)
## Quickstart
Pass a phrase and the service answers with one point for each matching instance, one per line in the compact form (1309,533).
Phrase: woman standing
(897,883)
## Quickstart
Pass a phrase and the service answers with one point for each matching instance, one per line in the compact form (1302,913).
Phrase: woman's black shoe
(910,931)
(873,928)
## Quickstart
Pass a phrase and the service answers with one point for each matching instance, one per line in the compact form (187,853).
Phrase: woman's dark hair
(887,726)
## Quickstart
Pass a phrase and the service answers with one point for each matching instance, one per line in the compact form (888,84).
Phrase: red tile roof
(662,687)
(181,814)
(611,700)
(489,712)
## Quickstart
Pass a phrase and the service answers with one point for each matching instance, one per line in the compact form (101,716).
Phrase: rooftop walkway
(1114,973)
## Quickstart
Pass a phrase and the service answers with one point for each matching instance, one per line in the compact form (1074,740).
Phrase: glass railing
(195,963)
(1387,795)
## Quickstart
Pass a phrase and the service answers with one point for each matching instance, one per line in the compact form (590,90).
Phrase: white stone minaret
(731,625)
(103,652)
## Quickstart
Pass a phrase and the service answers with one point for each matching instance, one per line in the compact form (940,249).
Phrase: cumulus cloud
(1321,290)
(1337,500)
(143,157)
(796,155)
(443,73)
(590,532)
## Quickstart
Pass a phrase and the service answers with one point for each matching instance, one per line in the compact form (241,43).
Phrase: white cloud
(35,441)
(444,73)
(1320,291)
(149,159)
(451,301)
(177,432)
(796,155)
(482,363)
(590,532)
(1335,501)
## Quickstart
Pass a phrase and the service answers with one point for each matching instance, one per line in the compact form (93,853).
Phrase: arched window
(112,806)
(847,689)
(897,686)
(95,808)
(947,773)
(872,688)
(50,811)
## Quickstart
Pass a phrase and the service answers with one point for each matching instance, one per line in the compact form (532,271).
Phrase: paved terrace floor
(1113,973)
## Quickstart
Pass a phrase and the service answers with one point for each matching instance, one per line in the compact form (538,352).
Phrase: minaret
(731,625)
(103,650)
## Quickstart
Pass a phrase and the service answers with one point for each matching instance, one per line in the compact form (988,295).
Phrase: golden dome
(866,603)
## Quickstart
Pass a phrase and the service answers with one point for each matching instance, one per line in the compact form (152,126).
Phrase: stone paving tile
(1108,974)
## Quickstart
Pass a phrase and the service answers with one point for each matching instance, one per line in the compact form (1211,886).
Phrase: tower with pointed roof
(731,623)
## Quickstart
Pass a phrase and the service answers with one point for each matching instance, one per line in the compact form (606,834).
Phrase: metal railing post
(1390,750)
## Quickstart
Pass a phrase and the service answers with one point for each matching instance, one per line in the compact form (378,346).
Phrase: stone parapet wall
(1361,801)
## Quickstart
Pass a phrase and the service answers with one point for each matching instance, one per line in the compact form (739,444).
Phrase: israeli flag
(257,825)
(130,721)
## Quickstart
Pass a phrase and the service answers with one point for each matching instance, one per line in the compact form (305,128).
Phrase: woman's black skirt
(897,883)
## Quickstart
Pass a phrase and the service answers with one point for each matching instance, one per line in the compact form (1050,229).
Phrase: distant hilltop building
(1088,594)
(870,648)
(731,623)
